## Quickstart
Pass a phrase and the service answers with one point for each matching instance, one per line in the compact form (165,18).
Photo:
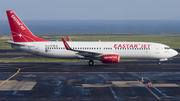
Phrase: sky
(92,9)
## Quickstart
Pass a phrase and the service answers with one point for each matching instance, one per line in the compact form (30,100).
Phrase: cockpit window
(167,48)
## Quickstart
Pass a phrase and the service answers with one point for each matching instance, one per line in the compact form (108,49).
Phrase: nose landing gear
(159,62)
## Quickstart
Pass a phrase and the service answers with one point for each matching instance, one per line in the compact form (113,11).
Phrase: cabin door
(157,49)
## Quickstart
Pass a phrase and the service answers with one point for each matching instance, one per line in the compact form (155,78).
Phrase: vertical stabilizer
(20,32)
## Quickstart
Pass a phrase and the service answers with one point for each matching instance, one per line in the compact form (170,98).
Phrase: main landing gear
(91,62)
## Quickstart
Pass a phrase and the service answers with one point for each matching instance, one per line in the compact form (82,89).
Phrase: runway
(78,81)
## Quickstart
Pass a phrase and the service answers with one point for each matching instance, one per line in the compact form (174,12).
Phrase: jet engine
(110,58)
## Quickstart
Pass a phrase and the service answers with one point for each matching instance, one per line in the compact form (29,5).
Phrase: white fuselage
(126,50)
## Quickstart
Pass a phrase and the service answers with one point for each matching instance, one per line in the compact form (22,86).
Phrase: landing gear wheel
(91,62)
(159,62)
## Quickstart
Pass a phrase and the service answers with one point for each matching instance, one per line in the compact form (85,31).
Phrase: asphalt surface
(78,81)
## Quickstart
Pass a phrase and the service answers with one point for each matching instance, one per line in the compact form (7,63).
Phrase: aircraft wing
(88,53)
(84,53)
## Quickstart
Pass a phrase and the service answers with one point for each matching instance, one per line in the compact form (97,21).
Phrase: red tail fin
(19,30)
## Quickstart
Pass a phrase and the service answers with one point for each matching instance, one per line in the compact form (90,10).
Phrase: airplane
(107,52)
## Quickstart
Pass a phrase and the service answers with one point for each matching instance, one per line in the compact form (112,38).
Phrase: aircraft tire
(91,62)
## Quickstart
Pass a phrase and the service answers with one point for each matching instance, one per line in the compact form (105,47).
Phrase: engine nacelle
(111,58)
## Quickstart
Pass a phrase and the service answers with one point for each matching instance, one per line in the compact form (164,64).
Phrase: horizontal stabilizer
(12,42)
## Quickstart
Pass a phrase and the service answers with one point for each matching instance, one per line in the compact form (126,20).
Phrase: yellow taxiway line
(10,77)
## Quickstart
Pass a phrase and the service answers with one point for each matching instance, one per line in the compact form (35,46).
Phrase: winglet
(66,45)
(68,39)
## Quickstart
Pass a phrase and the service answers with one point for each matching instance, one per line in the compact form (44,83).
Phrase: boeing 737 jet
(107,52)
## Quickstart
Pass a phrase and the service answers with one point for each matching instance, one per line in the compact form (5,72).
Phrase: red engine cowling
(111,58)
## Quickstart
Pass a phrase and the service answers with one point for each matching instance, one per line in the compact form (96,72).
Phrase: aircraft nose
(174,53)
